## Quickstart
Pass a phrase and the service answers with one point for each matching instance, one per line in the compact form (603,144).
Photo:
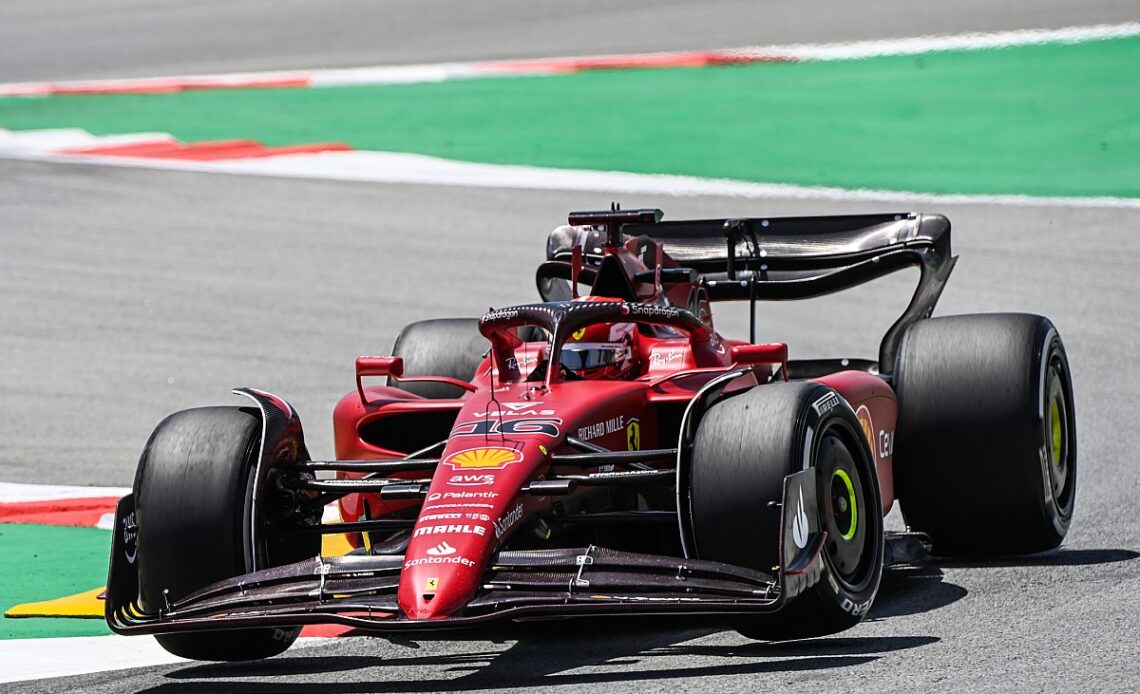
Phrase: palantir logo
(441,550)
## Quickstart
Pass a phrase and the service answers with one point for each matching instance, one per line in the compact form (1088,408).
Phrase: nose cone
(455,535)
(441,576)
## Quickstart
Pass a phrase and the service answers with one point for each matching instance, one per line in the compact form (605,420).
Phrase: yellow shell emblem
(483,458)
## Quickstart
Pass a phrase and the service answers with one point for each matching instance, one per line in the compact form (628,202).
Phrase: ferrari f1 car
(607,451)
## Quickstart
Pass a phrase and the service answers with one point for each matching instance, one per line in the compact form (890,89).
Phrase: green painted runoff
(41,562)
(1057,119)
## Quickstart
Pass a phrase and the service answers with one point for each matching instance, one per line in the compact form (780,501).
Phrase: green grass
(1042,120)
(41,562)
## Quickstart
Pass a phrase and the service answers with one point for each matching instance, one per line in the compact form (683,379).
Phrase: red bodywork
(501,438)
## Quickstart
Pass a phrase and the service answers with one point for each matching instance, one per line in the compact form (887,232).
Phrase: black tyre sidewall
(732,505)
(970,460)
(194,494)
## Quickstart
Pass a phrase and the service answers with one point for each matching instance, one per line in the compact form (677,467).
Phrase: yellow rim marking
(1058,434)
(842,474)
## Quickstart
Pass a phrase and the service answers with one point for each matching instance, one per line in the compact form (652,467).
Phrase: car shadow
(549,653)
(595,651)
(909,590)
(1061,556)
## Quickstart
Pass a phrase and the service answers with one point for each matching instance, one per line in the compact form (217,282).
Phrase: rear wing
(777,258)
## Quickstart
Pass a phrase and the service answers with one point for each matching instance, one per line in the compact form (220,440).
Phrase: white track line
(14,493)
(416,169)
(959,42)
(33,659)
(409,74)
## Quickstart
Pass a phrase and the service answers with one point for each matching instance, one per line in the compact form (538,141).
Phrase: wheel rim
(844,504)
(844,512)
(1057,433)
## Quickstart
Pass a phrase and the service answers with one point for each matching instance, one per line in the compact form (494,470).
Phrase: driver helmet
(601,351)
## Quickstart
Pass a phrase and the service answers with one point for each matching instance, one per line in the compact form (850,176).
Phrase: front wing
(360,591)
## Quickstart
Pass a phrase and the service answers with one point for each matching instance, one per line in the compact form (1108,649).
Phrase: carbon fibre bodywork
(360,591)
(466,510)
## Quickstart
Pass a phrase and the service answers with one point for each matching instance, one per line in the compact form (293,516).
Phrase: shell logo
(864,416)
(483,458)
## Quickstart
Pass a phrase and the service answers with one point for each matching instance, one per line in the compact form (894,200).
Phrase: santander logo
(441,550)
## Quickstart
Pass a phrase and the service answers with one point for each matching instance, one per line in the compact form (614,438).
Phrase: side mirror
(377,366)
(771,353)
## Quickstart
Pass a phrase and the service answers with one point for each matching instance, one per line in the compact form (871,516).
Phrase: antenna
(493,400)
(575,269)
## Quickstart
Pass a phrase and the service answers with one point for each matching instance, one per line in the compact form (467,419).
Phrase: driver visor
(593,355)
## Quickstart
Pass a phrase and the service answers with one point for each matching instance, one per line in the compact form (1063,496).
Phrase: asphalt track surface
(127,294)
(72,39)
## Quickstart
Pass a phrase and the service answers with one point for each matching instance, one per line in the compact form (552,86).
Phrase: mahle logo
(484,458)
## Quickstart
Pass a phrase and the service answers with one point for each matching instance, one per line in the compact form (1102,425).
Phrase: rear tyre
(743,449)
(193,502)
(985,459)
(451,347)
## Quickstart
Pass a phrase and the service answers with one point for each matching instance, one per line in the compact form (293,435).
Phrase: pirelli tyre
(451,347)
(193,503)
(985,457)
(742,450)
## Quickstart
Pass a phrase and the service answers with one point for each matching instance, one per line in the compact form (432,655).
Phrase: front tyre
(194,504)
(743,449)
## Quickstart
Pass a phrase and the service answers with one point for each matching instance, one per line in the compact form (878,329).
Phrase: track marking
(22,660)
(439,72)
(94,507)
(11,492)
(86,604)
(91,512)
(415,169)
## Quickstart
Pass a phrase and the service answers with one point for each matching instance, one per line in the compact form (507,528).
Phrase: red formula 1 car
(607,451)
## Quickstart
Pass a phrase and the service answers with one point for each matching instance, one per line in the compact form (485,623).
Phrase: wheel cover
(846,507)
(1058,450)
(840,495)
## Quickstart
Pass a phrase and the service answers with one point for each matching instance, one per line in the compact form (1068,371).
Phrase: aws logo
(486,458)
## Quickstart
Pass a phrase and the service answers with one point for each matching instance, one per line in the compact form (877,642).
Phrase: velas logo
(488,458)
